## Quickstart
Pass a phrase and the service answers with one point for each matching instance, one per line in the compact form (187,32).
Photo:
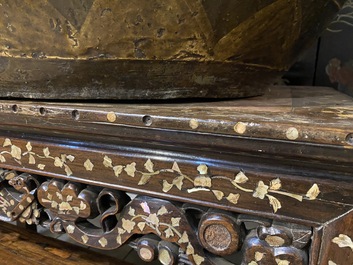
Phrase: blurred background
(329,61)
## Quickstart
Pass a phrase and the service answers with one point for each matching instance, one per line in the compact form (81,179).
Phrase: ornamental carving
(157,229)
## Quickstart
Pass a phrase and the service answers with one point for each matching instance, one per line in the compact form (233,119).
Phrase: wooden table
(266,180)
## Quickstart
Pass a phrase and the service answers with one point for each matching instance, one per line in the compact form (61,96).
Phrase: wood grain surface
(21,246)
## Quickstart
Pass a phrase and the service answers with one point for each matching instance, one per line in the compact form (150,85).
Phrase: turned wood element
(147,248)
(219,233)
(18,197)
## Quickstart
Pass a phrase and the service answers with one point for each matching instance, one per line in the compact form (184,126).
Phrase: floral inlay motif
(343,241)
(4,204)
(203,182)
(17,154)
(166,229)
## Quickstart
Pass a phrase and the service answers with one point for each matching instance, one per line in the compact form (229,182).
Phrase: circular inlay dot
(194,124)
(292,133)
(111,116)
(240,127)
(145,254)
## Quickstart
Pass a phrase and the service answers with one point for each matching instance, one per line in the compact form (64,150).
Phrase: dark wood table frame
(266,179)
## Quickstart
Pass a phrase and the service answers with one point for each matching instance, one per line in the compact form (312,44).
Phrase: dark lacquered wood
(274,179)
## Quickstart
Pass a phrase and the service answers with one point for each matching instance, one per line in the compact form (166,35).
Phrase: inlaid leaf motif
(59,195)
(16,152)
(141,225)
(167,186)
(46,152)
(176,168)
(58,162)
(162,211)
(29,147)
(83,206)
(198,259)
(233,198)
(103,242)
(68,170)
(69,198)
(7,142)
(76,210)
(88,165)
(145,207)
(261,190)
(175,221)
(178,182)
(130,169)
(184,238)
(2,159)
(65,206)
(41,166)
(241,178)
(313,192)
(107,161)
(259,256)
(253,263)
(203,181)
(169,232)
(149,166)
(153,219)
(202,169)
(118,239)
(144,180)
(54,204)
(330,262)
(71,158)
(63,158)
(282,262)
(70,229)
(275,184)
(128,225)
(121,231)
(131,212)
(118,170)
(84,239)
(31,159)
(343,241)
(190,249)
(276,204)
(218,194)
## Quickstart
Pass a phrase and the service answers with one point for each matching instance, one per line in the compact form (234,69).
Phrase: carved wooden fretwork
(171,232)
(157,229)
(18,197)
